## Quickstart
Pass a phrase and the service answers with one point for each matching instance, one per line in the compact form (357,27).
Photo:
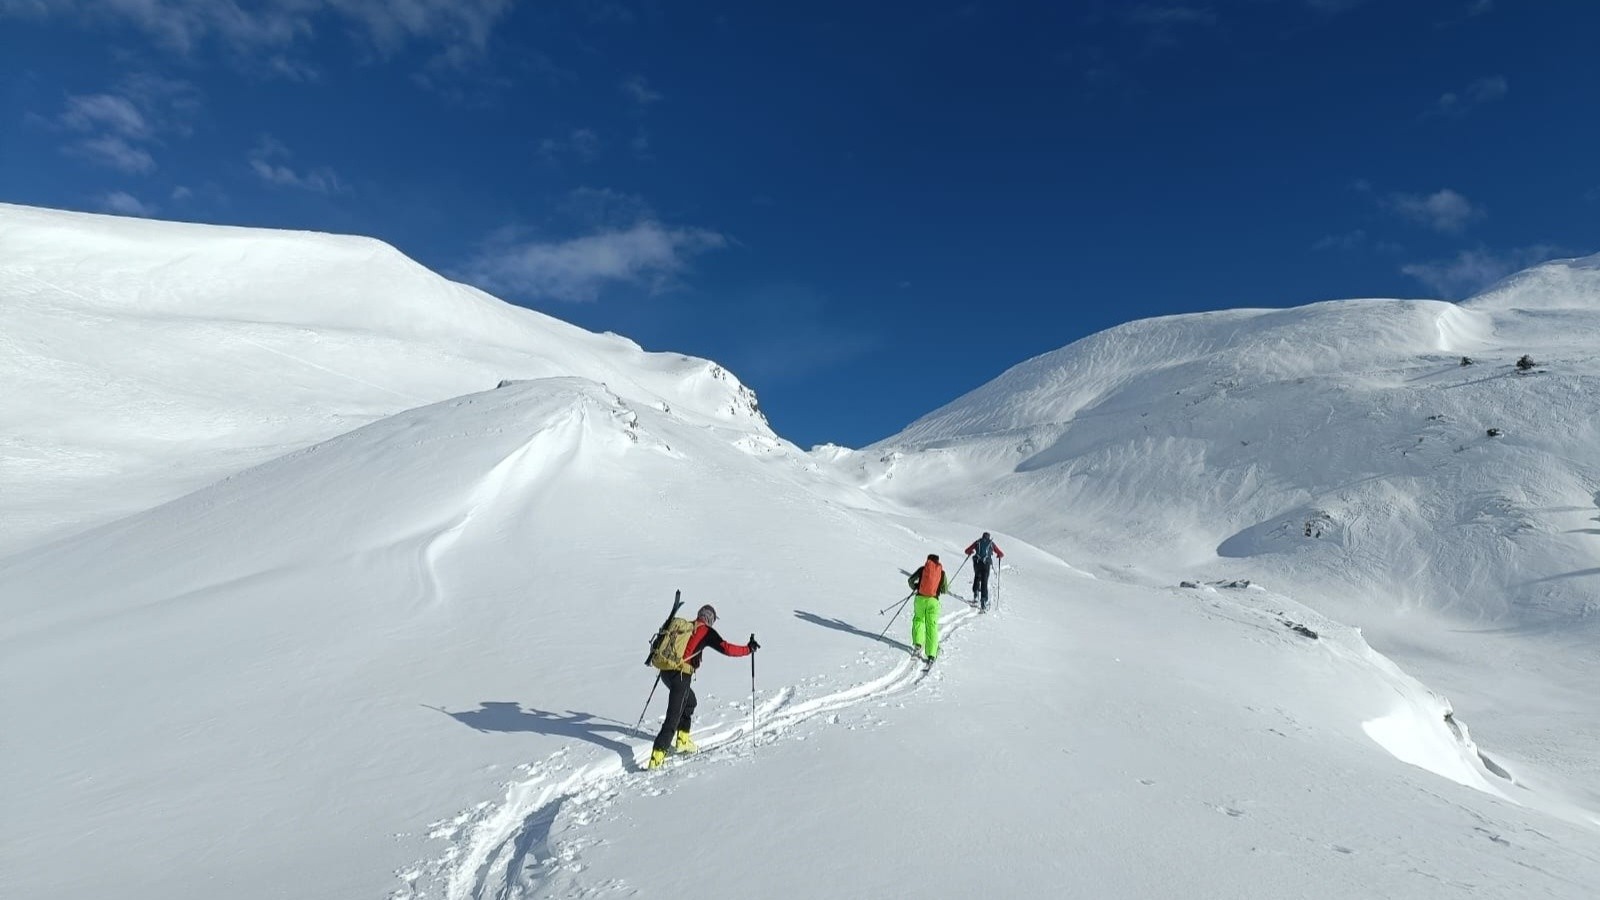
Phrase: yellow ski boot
(684,745)
(657,757)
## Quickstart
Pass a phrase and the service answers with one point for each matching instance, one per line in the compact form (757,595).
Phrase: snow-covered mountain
(299,603)
(145,359)
(1228,438)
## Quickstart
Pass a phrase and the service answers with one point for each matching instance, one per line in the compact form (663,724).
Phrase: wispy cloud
(119,128)
(1444,211)
(581,143)
(123,203)
(262,32)
(647,255)
(640,145)
(639,91)
(1470,271)
(112,113)
(1350,240)
(113,152)
(1484,90)
(1479,7)
(269,160)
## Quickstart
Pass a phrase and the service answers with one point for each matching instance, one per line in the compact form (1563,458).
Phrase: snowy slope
(1226,434)
(403,659)
(1339,452)
(145,359)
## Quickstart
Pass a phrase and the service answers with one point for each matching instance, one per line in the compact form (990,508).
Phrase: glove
(752,644)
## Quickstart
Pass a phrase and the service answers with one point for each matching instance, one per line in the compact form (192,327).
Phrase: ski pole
(960,567)
(752,689)
(640,725)
(896,614)
(901,603)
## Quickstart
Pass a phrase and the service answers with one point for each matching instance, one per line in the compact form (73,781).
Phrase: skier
(678,656)
(983,551)
(929,581)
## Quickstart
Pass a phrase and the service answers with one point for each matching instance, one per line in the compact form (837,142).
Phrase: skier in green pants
(929,581)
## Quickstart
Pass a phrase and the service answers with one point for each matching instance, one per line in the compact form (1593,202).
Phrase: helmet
(707,614)
(986,536)
(933,557)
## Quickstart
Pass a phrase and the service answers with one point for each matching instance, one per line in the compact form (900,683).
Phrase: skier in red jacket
(680,694)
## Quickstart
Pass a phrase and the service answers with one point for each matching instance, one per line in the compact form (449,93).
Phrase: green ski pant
(925,625)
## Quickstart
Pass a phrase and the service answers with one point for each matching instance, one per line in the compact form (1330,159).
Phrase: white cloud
(1484,90)
(105,111)
(1470,271)
(647,254)
(260,31)
(1445,210)
(113,152)
(125,204)
(269,161)
(1479,7)
(460,25)
(639,91)
(118,128)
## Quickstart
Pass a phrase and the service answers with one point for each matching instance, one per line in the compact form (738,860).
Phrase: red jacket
(705,636)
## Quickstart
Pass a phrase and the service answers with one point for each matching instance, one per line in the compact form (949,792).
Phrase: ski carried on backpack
(655,642)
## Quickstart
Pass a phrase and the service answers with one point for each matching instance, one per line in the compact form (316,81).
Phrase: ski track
(504,851)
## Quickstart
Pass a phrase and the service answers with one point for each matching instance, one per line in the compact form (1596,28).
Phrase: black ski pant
(980,581)
(680,707)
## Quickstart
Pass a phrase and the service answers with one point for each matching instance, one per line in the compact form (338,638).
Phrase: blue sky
(863,209)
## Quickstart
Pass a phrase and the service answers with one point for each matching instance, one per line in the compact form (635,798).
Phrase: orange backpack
(932,578)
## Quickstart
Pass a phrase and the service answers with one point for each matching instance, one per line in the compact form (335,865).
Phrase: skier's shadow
(492,715)
(847,628)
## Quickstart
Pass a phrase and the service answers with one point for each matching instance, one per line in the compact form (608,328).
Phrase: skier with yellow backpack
(677,654)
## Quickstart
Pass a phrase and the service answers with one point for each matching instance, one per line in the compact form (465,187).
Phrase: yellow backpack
(667,654)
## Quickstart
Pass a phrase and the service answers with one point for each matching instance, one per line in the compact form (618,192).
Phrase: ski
(677,602)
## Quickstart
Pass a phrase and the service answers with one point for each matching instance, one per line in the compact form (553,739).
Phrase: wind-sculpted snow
(282,635)
(1569,284)
(1142,361)
(145,359)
